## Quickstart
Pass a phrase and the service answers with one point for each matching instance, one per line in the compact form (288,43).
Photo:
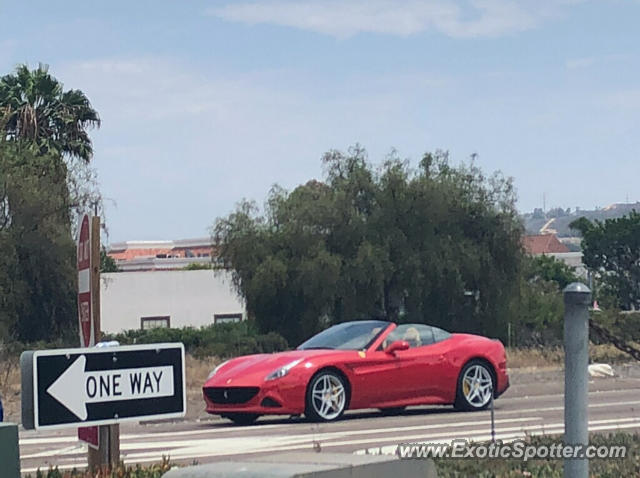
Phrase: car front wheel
(326,397)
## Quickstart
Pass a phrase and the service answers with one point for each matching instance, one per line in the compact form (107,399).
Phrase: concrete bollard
(9,450)
(311,465)
(577,298)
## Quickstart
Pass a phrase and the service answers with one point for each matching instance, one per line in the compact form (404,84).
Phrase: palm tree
(34,107)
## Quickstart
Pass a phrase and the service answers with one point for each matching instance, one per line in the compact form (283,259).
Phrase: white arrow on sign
(76,387)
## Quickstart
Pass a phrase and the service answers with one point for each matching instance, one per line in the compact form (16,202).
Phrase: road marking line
(501,436)
(223,447)
(235,430)
(313,435)
(560,408)
(561,395)
(70,450)
(449,436)
(185,454)
(127,436)
(147,457)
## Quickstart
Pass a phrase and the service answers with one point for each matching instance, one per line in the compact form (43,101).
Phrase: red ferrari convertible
(361,364)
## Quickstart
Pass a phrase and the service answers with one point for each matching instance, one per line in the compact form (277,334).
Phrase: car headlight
(215,370)
(282,371)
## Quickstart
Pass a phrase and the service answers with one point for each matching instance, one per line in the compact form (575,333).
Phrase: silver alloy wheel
(477,386)
(328,397)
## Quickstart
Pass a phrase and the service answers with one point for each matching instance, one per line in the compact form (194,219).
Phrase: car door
(426,366)
(375,379)
(414,364)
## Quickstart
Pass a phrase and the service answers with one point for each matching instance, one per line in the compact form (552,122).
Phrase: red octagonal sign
(84,283)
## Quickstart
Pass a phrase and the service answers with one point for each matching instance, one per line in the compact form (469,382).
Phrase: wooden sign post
(104,440)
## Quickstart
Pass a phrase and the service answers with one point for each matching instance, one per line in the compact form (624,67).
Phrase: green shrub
(222,340)
(501,468)
(122,471)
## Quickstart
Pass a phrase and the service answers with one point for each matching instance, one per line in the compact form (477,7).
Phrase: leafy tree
(539,317)
(549,269)
(611,251)
(438,244)
(107,263)
(199,266)
(44,177)
(39,264)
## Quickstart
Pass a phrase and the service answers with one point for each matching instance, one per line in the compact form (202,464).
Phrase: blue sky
(206,102)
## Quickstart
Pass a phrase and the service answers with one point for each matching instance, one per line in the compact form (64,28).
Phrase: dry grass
(552,357)
(198,370)
(10,386)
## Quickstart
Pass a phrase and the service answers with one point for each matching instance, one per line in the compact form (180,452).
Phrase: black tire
(311,405)
(243,419)
(392,411)
(462,402)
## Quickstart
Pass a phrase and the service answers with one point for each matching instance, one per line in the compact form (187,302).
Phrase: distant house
(544,244)
(550,245)
(168,298)
(160,255)
(153,289)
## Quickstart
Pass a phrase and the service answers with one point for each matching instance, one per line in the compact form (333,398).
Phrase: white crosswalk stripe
(373,434)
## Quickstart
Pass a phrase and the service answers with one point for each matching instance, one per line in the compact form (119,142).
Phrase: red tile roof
(544,244)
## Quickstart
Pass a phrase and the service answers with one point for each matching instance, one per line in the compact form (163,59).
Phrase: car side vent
(270,402)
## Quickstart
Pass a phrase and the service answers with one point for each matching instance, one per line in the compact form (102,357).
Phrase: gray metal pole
(9,450)
(577,298)
(493,419)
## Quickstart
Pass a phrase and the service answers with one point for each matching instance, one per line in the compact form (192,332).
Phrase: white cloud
(340,18)
(579,63)
(628,99)
(180,145)
(7,50)
(612,60)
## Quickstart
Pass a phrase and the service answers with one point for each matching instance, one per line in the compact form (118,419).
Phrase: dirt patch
(197,371)
(539,358)
(10,387)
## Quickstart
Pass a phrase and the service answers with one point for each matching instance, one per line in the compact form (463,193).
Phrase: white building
(572,259)
(173,298)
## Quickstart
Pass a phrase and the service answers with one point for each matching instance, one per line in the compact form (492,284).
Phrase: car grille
(230,394)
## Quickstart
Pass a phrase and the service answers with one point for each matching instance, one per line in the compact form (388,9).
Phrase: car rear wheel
(326,397)
(242,418)
(475,386)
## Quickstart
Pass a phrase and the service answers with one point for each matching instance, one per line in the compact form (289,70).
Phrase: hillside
(557,220)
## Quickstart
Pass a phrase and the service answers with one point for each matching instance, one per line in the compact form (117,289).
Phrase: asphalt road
(533,405)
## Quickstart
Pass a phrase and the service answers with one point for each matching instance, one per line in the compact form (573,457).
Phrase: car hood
(249,369)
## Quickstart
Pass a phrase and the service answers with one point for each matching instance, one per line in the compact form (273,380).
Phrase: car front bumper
(278,397)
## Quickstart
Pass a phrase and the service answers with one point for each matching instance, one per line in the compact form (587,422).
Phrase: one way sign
(64,388)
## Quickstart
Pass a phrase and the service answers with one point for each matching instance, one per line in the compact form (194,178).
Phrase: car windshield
(347,336)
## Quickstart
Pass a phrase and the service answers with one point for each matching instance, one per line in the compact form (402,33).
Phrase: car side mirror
(396,346)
